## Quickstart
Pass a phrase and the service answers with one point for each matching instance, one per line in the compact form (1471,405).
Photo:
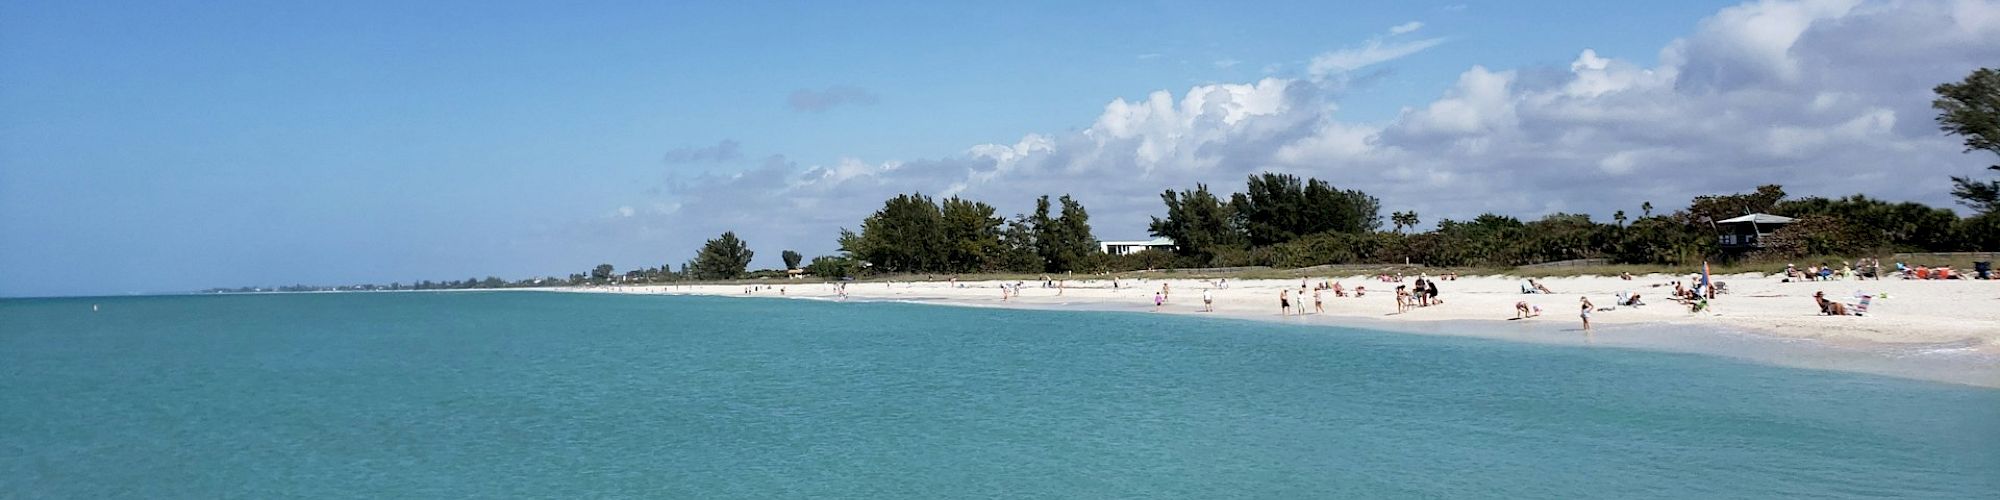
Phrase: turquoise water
(450,395)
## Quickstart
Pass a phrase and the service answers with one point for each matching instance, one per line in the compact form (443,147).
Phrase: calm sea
(453,395)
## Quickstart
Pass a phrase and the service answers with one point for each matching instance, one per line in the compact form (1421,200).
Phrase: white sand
(1965,313)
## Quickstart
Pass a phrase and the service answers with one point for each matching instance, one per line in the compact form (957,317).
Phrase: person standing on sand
(1585,312)
(1284,302)
(1165,293)
(1318,307)
(1207,301)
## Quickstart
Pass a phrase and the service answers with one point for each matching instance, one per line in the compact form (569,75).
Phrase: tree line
(1281,220)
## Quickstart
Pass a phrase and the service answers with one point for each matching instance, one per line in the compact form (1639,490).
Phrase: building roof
(1155,242)
(1759,219)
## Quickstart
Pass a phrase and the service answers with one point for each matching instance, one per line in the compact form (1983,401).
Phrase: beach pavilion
(1748,232)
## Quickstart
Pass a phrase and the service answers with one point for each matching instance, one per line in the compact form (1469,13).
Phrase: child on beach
(1159,299)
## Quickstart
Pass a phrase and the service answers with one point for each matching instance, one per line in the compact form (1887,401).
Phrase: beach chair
(1982,270)
(1860,308)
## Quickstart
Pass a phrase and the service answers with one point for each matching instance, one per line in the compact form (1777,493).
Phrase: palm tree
(1403,220)
(1620,217)
(1646,209)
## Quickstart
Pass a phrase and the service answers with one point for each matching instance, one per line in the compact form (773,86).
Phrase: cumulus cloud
(821,100)
(726,150)
(1825,97)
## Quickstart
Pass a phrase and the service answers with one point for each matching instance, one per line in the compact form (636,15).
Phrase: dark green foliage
(971,236)
(601,272)
(1275,208)
(906,235)
(832,267)
(1858,223)
(725,257)
(913,234)
(1971,109)
(1198,222)
(1064,242)
(791,259)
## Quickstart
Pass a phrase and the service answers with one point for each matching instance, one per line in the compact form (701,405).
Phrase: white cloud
(1374,52)
(1227,63)
(1827,98)
(1405,28)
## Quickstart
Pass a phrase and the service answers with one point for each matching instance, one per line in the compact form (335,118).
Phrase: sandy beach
(1960,314)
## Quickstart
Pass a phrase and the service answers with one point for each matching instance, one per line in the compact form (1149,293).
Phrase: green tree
(1275,208)
(601,272)
(791,259)
(1710,208)
(1971,109)
(971,236)
(832,266)
(1063,241)
(1198,222)
(1404,220)
(906,235)
(724,257)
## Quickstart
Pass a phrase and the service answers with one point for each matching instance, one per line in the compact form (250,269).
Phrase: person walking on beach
(1284,302)
(1207,301)
(1318,307)
(1585,313)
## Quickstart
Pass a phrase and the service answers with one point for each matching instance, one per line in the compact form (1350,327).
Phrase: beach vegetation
(725,257)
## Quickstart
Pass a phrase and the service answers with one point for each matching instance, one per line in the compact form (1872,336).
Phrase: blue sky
(150,147)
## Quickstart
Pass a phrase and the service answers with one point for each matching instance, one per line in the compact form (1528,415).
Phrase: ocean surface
(552,395)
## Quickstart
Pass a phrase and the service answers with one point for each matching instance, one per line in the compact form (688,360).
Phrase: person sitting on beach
(1539,288)
(1431,293)
(1419,291)
(1627,276)
(1633,301)
(1338,291)
(1828,307)
(1360,291)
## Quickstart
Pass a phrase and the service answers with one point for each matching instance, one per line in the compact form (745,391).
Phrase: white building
(1132,247)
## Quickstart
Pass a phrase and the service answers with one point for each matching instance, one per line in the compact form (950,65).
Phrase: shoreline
(1761,321)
